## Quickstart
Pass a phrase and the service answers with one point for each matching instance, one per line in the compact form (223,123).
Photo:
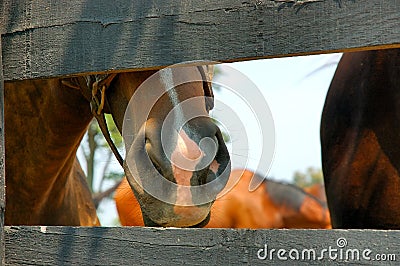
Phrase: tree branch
(105,168)
(98,197)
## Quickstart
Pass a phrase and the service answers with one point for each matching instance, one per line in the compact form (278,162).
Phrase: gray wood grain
(152,246)
(53,38)
(2,161)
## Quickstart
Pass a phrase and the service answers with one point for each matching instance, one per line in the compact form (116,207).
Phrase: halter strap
(97,102)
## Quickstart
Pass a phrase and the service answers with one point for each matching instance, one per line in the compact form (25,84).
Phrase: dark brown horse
(45,121)
(360,137)
(272,205)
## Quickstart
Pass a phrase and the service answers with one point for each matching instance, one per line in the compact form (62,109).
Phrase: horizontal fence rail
(56,38)
(153,246)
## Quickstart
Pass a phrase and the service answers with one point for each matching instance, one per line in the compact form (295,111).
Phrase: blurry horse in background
(46,119)
(272,205)
(360,141)
(318,191)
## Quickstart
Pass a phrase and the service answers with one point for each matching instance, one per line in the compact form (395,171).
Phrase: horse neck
(68,124)
(68,118)
(45,132)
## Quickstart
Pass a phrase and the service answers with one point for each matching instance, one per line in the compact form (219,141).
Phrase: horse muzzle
(177,186)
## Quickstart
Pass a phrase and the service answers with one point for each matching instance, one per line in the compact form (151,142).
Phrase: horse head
(176,160)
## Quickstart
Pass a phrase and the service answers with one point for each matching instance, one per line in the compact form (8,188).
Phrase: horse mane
(284,193)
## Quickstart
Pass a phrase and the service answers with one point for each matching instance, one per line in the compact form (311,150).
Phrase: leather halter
(95,92)
(98,100)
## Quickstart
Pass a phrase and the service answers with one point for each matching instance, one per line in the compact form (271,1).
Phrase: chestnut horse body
(271,205)
(360,137)
(45,121)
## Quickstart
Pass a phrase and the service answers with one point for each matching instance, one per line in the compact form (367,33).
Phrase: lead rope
(96,105)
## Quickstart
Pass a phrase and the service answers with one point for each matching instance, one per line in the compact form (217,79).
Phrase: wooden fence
(42,39)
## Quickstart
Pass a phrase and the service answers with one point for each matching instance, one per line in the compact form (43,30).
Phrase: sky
(294,90)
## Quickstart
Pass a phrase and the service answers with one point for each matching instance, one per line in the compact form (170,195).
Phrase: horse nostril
(211,176)
(209,148)
(203,177)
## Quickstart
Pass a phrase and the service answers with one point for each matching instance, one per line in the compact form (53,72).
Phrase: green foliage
(310,177)
(114,175)
(112,128)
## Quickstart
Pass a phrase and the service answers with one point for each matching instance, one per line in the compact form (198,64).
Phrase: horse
(318,191)
(46,119)
(360,141)
(271,205)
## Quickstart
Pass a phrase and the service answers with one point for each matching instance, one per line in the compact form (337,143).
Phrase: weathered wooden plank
(2,162)
(151,246)
(52,38)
